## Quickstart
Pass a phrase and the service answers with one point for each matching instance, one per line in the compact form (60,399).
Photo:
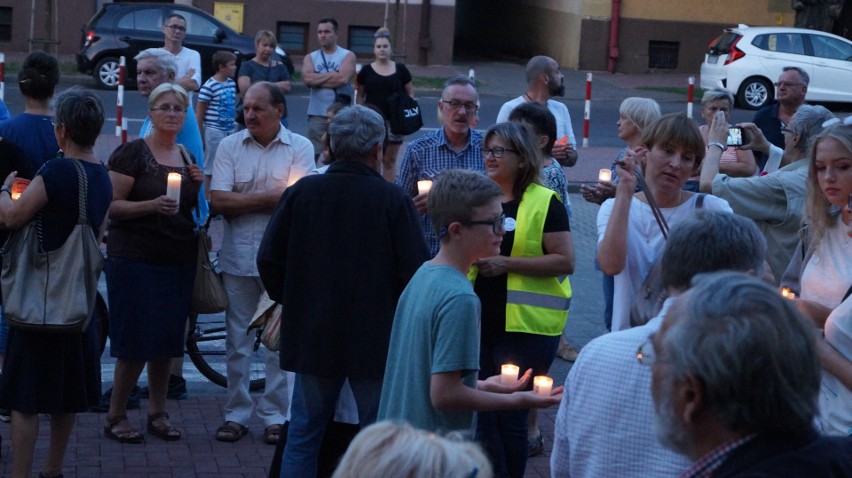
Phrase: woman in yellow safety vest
(524,291)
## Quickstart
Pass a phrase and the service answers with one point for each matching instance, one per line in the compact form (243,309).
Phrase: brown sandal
(231,432)
(164,432)
(272,434)
(126,436)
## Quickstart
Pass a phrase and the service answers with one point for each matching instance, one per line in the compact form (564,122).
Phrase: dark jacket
(337,253)
(774,456)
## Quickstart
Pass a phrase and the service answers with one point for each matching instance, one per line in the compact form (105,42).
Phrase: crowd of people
(464,252)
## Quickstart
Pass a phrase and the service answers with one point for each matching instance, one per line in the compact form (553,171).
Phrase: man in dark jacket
(338,252)
(735,381)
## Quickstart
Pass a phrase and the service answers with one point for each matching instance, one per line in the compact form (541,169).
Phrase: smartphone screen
(735,136)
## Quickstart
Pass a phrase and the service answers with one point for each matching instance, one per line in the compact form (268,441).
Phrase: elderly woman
(51,373)
(264,66)
(150,267)
(524,291)
(629,239)
(824,268)
(375,83)
(735,162)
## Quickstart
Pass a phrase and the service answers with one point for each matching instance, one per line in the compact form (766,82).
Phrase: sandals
(272,434)
(126,436)
(231,432)
(165,431)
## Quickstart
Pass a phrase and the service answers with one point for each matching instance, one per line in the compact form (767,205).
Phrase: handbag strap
(82,194)
(184,154)
(658,215)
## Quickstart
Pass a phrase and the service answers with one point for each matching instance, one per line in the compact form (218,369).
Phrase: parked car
(746,61)
(125,29)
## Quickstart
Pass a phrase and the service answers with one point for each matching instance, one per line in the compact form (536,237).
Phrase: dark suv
(125,29)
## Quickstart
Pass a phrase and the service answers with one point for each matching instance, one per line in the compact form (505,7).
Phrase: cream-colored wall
(749,12)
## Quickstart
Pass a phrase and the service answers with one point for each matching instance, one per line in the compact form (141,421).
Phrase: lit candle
(173,186)
(605,175)
(787,293)
(424,186)
(509,374)
(18,187)
(296,173)
(542,385)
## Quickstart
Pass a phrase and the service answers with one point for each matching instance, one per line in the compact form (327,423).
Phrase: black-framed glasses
(170,109)
(496,151)
(470,107)
(177,28)
(496,224)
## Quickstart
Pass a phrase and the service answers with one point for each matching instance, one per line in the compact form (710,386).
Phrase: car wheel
(106,73)
(755,93)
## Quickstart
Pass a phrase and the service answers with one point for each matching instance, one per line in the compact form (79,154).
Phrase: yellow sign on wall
(230,14)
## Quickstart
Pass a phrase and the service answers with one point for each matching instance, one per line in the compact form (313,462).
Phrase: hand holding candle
(18,187)
(542,385)
(604,175)
(424,186)
(173,186)
(509,374)
(787,293)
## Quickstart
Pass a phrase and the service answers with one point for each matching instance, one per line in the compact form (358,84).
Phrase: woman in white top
(629,239)
(827,274)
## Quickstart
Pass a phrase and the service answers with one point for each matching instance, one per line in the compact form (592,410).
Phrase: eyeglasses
(497,152)
(786,84)
(176,28)
(496,224)
(170,109)
(454,104)
(835,121)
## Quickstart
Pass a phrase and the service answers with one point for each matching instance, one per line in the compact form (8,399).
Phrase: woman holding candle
(150,267)
(826,270)
(378,81)
(55,373)
(524,291)
(629,238)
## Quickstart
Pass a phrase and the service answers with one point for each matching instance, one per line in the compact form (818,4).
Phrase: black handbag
(403,112)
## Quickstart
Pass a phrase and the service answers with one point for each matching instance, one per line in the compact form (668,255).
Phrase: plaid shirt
(427,158)
(709,463)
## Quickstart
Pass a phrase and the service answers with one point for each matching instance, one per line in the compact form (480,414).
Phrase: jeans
(503,434)
(313,404)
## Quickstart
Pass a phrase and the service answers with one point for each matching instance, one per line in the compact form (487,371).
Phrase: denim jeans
(313,404)
(503,434)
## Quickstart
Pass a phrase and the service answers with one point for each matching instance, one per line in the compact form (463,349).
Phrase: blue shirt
(34,135)
(427,158)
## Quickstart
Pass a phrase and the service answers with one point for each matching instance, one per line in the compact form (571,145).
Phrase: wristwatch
(718,145)
(6,190)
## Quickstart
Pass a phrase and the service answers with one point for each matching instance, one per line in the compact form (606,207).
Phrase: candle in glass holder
(173,186)
(542,385)
(18,187)
(605,175)
(509,374)
(424,186)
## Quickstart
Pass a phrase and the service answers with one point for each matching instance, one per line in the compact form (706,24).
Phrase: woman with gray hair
(52,373)
(150,266)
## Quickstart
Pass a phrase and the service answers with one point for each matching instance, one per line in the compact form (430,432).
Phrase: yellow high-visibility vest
(534,305)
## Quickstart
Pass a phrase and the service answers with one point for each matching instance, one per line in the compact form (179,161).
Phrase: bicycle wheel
(206,348)
(101,319)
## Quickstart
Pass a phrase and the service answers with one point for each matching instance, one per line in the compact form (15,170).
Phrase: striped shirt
(221,103)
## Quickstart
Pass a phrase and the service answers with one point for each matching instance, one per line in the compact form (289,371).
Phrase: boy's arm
(447,392)
(200,112)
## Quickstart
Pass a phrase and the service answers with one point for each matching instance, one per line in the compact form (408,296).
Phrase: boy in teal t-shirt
(431,376)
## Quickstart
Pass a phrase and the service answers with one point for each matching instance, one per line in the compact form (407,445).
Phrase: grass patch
(678,90)
(296,76)
(428,82)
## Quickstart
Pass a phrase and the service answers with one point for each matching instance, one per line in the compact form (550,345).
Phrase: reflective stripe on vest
(536,305)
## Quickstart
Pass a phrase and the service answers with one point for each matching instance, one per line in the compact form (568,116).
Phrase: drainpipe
(613,35)
(425,42)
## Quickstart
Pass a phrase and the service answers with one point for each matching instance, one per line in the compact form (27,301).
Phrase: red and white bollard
(588,110)
(2,76)
(120,120)
(689,96)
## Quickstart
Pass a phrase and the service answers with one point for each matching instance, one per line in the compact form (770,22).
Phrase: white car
(746,62)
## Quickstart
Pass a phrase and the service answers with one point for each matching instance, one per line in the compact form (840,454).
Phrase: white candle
(296,173)
(542,385)
(509,374)
(173,186)
(787,293)
(424,186)
(605,175)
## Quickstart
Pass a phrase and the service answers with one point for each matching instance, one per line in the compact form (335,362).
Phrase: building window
(5,23)
(293,37)
(361,39)
(663,54)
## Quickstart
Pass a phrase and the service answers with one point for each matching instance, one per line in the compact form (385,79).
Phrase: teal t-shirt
(435,329)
